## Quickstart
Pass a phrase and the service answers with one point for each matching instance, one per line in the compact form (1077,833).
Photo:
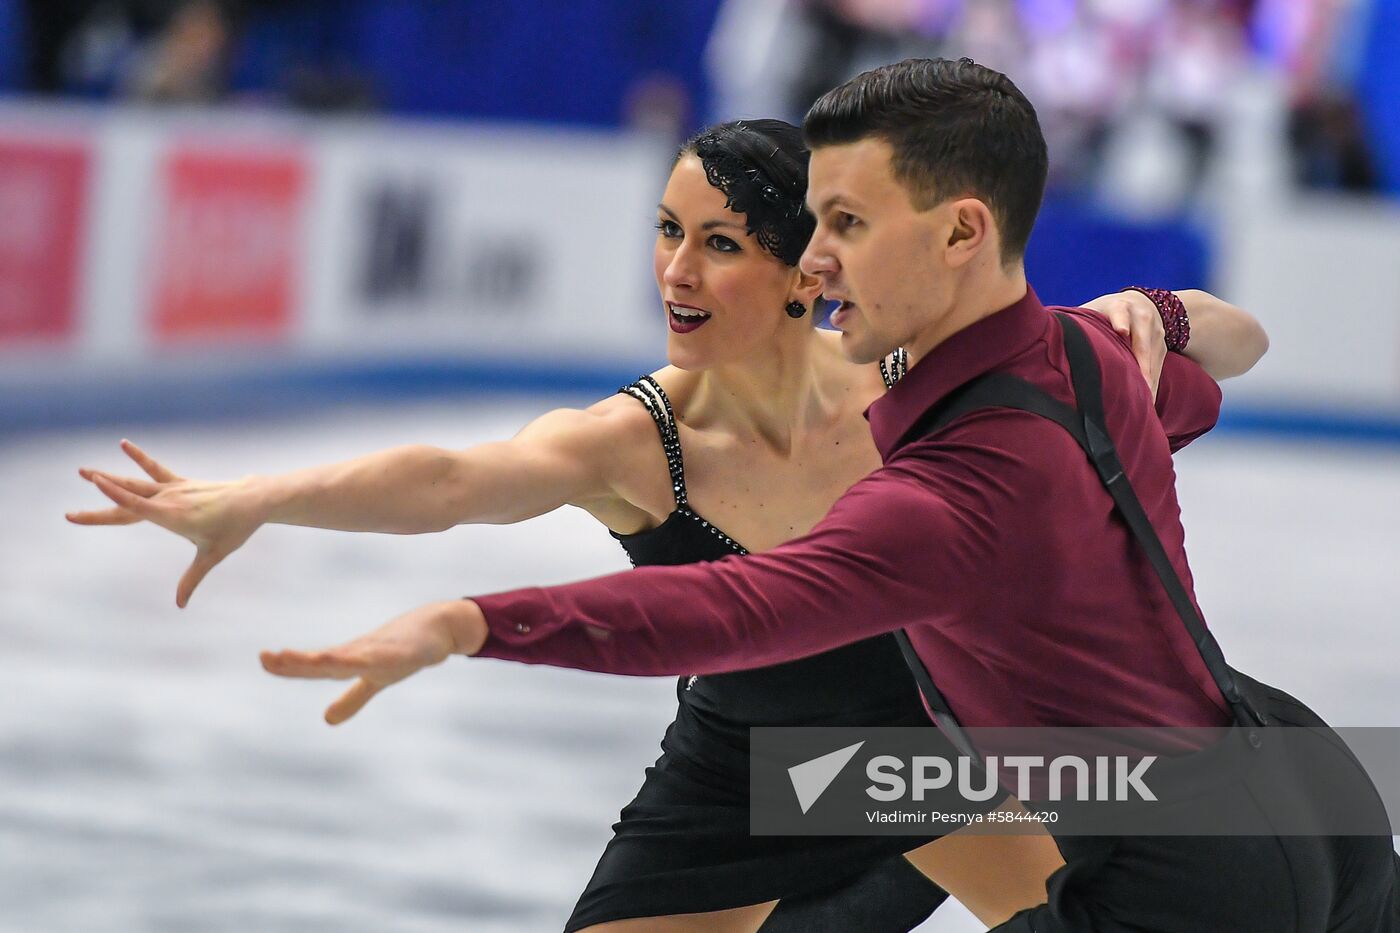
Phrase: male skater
(989,540)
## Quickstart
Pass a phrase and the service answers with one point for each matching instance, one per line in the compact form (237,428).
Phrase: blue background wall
(1078,252)
(547,60)
(11,45)
(1378,86)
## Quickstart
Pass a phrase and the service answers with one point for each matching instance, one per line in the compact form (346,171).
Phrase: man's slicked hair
(956,128)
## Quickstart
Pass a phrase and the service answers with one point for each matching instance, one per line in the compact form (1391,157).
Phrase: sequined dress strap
(649,392)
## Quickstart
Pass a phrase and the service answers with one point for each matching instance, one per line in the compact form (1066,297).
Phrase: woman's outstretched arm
(564,457)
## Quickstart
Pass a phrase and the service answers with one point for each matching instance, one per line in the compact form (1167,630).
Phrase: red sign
(43,188)
(227,257)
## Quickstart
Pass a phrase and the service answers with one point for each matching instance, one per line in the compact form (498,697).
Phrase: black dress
(683,844)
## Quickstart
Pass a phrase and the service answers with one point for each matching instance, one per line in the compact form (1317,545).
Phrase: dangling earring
(796,309)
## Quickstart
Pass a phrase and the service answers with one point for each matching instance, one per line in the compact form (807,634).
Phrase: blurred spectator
(187,63)
(1316,43)
(850,36)
(752,58)
(1131,93)
(989,33)
(658,104)
(1196,53)
(82,46)
(1069,69)
(1330,149)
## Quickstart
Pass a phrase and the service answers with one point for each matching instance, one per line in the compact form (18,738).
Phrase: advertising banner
(473,244)
(226,260)
(43,195)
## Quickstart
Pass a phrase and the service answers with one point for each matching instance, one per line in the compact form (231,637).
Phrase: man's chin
(860,349)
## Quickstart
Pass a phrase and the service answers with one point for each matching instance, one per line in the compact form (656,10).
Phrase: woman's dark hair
(956,127)
(761,166)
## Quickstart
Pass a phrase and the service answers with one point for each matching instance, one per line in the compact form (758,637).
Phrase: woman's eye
(724,244)
(846,221)
(669,228)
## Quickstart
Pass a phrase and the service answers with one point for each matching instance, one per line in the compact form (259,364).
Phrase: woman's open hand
(1135,317)
(216,517)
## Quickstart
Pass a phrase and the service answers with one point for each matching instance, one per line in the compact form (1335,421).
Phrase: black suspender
(1086,424)
(942,714)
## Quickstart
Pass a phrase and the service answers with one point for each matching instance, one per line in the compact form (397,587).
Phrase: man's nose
(816,259)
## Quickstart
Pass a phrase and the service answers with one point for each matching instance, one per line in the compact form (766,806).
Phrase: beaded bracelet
(1174,320)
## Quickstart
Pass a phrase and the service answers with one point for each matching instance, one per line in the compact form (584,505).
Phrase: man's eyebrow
(831,202)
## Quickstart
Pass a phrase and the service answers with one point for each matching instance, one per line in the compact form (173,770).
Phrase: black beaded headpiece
(771,196)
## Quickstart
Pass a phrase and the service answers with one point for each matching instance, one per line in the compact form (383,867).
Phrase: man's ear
(973,229)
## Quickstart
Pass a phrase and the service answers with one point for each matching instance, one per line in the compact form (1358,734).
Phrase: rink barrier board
(231,264)
(26,408)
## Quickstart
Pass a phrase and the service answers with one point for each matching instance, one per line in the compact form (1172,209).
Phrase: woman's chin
(686,358)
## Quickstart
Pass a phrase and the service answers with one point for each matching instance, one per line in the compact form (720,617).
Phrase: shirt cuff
(529,626)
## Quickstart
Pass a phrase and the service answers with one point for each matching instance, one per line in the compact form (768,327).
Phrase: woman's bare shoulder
(861,380)
(623,420)
(678,385)
(620,419)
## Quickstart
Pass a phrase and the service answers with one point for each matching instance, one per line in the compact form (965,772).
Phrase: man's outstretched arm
(859,573)
(914,543)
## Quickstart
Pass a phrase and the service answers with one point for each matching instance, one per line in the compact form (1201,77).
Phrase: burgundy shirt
(992,542)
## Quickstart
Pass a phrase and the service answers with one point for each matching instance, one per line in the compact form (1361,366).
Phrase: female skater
(760,427)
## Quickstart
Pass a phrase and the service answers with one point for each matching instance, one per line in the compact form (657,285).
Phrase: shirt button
(522,628)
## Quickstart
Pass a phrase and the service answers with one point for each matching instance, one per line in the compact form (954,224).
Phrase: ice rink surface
(154,778)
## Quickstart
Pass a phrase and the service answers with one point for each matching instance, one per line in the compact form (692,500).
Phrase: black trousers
(891,896)
(1195,884)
